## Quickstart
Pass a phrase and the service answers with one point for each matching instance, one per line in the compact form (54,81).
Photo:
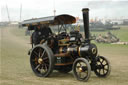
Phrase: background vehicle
(67,51)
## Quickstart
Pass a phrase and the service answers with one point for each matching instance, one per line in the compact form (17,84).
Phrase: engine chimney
(86,22)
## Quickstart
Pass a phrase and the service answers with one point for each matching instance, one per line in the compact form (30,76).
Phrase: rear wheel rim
(41,61)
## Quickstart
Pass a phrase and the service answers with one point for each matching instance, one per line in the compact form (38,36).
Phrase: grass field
(15,68)
(121,34)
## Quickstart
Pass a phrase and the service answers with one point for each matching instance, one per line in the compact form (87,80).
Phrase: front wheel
(102,68)
(42,60)
(81,69)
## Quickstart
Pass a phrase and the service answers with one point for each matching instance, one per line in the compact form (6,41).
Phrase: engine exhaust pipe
(86,23)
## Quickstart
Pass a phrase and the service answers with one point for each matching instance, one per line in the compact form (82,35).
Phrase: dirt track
(6,33)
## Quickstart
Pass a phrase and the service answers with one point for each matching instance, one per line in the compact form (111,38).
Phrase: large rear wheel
(42,60)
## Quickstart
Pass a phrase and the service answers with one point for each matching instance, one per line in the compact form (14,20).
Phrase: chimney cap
(85,9)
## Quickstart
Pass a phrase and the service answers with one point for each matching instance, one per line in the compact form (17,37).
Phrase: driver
(41,32)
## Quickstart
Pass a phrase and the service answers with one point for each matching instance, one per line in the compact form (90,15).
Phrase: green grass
(16,70)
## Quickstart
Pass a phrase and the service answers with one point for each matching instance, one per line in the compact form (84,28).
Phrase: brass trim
(62,55)
(79,51)
(42,41)
(60,49)
(64,44)
(62,64)
(80,69)
(93,50)
(40,60)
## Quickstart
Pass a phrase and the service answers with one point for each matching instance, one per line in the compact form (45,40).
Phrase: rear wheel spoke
(46,67)
(36,53)
(46,58)
(43,54)
(37,67)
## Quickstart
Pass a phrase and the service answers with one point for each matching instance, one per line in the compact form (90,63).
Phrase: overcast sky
(43,8)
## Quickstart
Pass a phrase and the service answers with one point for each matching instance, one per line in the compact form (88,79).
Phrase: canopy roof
(51,20)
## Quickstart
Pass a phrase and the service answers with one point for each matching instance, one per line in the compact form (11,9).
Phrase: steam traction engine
(67,51)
